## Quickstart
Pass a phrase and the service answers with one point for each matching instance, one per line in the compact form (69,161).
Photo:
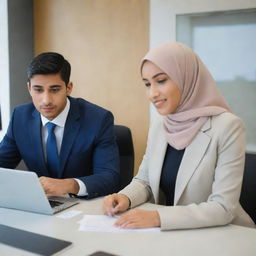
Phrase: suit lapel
(71,129)
(36,141)
(191,159)
(156,162)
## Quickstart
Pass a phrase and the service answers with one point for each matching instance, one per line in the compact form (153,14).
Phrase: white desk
(219,241)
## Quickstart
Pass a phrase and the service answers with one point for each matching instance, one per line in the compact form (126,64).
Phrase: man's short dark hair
(49,63)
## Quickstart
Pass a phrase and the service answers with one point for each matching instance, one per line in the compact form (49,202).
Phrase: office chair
(248,193)
(126,153)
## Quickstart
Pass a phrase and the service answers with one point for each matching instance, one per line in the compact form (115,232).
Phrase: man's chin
(48,116)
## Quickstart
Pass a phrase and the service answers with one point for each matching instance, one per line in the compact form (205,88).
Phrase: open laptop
(21,190)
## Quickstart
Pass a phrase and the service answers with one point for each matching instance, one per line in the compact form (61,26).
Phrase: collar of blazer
(191,159)
(36,142)
(70,132)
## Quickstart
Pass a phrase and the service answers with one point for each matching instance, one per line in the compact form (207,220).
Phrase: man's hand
(58,187)
(139,219)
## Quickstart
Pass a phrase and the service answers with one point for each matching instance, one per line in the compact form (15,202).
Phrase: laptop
(21,190)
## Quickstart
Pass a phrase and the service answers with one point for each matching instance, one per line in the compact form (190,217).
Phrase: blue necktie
(52,151)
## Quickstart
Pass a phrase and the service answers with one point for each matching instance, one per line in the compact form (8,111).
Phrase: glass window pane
(226,43)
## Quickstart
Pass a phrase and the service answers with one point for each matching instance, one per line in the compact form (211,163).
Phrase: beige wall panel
(104,41)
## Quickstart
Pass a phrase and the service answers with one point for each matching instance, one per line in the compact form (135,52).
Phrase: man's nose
(46,98)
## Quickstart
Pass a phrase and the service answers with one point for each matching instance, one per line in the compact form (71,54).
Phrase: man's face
(49,94)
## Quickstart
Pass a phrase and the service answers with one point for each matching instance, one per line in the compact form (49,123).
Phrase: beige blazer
(209,179)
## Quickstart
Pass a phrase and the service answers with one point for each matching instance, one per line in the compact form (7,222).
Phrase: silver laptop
(22,190)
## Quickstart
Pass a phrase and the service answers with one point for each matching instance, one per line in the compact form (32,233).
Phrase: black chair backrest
(126,153)
(248,193)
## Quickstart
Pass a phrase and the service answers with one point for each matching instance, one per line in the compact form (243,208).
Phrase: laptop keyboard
(54,203)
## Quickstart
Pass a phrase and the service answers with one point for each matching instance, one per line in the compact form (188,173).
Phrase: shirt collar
(59,120)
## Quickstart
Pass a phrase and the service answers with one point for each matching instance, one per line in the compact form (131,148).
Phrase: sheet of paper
(69,214)
(102,223)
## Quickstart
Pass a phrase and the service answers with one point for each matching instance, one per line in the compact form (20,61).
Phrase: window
(226,43)
(0,120)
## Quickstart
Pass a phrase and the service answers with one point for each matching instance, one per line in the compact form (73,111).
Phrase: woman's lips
(159,103)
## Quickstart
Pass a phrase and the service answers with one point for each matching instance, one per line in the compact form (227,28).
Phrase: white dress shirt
(60,121)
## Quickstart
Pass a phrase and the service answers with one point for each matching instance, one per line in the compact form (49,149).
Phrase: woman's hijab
(200,96)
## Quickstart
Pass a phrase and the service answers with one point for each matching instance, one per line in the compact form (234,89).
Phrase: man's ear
(29,87)
(69,88)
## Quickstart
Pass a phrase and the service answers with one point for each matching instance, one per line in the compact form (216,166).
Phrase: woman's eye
(161,81)
(147,84)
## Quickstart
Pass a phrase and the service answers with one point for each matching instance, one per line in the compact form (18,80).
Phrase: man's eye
(38,90)
(55,90)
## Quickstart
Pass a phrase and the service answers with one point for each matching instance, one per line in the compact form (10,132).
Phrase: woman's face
(161,90)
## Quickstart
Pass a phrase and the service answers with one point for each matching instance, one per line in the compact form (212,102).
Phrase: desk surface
(228,240)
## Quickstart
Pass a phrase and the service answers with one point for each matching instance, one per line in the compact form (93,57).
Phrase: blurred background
(104,40)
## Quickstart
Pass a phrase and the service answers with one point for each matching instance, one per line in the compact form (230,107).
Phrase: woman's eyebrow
(156,75)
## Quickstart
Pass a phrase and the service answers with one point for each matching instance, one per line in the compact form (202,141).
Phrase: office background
(104,41)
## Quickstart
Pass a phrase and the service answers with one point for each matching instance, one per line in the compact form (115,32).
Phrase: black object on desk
(101,253)
(29,241)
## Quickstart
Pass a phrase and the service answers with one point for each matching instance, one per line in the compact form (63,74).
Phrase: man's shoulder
(24,108)
(86,106)
(89,114)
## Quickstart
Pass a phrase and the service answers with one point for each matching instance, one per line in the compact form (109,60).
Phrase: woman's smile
(159,103)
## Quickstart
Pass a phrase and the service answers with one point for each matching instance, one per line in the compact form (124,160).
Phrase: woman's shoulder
(225,124)
(226,118)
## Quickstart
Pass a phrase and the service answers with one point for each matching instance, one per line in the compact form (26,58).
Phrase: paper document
(102,223)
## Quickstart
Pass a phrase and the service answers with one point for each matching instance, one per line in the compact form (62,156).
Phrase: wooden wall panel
(104,41)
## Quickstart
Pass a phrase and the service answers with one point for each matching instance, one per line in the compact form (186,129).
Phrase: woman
(195,153)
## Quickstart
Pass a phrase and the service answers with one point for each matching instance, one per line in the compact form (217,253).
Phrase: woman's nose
(153,92)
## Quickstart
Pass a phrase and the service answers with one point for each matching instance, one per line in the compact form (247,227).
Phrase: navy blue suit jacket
(88,151)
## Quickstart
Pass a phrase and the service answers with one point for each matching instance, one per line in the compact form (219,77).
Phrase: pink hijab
(200,96)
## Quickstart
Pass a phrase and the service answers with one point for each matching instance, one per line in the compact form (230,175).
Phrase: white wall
(4,68)
(162,14)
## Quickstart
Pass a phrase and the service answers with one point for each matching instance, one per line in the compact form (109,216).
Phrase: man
(67,141)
